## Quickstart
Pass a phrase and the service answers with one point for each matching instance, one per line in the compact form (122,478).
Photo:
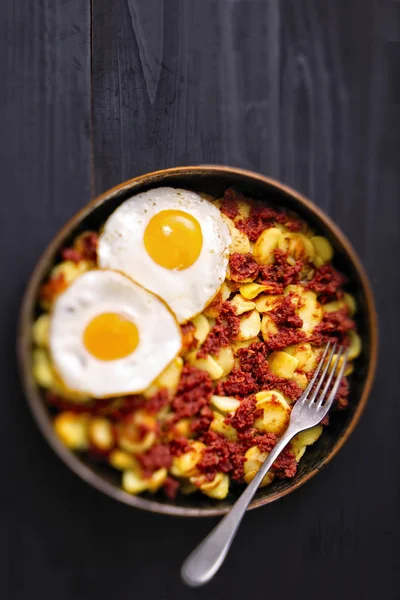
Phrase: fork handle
(205,560)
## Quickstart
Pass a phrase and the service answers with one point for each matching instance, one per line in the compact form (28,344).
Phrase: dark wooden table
(93,93)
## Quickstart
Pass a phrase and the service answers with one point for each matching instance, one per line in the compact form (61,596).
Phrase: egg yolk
(110,336)
(173,239)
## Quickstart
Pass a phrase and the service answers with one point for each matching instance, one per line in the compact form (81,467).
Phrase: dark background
(92,93)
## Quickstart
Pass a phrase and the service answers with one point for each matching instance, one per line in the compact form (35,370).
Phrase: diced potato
(305,438)
(240,243)
(41,368)
(283,364)
(217,488)
(323,248)
(355,345)
(298,451)
(300,379)
(40,330)
(70,270)
(208,364)
(267,479)
(305,354)
(349,367)
(351,303)
(129,434)
(250,325)
(72,429)
(254,459)
(185,465)
(297,246)
(276,412)
(101,433)
(267,302)
(225,360)
(318,262)
(202,326)
(213,308)
(264,398)
(244,209)
(122,460)
(139,446)
(225,404)
(251,290)
(133,483)
(182,427)
(241,304)
(310,312)
(333,306)
(219,426)
(157,479)
(268,327)
(265,245)
(169,378)
(243,343)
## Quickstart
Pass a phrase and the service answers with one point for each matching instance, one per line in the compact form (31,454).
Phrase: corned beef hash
(173,343)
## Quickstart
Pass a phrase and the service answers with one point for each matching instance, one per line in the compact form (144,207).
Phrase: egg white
(97,292)
(189,290)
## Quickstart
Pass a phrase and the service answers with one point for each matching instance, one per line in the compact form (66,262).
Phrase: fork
(311,407)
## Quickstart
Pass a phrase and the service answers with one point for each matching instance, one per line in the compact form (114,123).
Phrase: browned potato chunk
(219,426)
(254,459)
(323,248)
(268,327)
(72,429)
(216,488)
(249,291)
(225,360)
(265,245)
(267,302)
(185,465)
(241,304)
(276,412)
(101,433)
(283,364)
(250,325)
(303,439)
(208,364)
(240,243)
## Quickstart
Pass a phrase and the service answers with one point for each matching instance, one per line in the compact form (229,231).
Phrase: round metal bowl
(212,180)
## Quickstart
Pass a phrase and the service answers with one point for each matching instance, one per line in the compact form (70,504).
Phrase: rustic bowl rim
(29,300)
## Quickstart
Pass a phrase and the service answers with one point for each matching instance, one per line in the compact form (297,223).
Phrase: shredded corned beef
(255,375)
(280,274)
(284,313)
(229,204)
(158,457)
(243,267)
(326,281)
(223,332)
(245,415)
(171,487)
(261,217)
(221,456)
(85,248)
(333,327)
(179,446)
(194,392)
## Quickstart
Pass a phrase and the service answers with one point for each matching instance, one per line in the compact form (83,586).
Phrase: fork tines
(333,369)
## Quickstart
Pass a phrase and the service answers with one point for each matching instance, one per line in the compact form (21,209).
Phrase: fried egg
(171,241)
(109,336)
